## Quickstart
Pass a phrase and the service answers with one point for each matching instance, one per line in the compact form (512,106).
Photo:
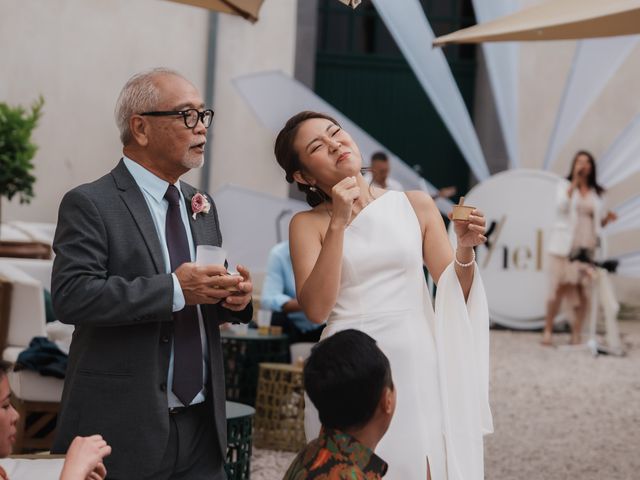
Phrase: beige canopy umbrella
(245,8)
(555,20)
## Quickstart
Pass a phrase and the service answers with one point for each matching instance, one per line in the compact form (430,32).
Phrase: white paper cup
(210,255)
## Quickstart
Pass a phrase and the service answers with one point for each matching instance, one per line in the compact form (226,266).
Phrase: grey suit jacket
(108,280)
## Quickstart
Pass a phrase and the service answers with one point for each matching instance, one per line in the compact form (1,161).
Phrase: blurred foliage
(17,150)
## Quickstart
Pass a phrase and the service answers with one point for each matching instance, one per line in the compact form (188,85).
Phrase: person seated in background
(348,379)
(445,192)
(84,457)
(378,176)
(279,296)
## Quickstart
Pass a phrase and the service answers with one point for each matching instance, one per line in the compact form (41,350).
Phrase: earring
(313,189)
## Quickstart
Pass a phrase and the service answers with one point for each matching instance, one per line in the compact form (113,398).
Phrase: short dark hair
(380,156)
(345,377)
(289,159)
(4,368)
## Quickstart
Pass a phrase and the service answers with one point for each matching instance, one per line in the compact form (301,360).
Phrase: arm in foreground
(316,265)
(436,247)
(84,459)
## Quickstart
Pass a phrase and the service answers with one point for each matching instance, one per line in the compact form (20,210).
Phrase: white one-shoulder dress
(439,361)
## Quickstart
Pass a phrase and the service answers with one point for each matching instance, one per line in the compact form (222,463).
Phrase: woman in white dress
(358,258)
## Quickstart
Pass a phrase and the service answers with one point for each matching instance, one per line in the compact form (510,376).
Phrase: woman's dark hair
(345,377)
(591,180)
(289,159)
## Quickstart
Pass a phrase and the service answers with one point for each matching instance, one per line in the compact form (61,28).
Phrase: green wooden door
(360,71)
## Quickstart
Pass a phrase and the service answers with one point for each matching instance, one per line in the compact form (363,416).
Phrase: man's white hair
(139,94)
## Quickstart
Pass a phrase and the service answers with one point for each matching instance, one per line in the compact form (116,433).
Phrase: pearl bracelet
(465,265)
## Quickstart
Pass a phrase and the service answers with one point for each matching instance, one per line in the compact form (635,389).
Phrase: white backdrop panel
(622,159)
(628,217)
(502,66)
(629,265)
(595,62)
(411,31)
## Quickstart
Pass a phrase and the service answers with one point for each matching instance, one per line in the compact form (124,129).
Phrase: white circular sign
(519,206)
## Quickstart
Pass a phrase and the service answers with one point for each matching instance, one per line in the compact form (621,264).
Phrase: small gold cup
(461,211)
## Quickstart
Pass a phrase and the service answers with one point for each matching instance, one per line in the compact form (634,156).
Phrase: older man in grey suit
(145,365)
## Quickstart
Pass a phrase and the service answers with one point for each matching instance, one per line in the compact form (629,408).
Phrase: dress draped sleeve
(461,334)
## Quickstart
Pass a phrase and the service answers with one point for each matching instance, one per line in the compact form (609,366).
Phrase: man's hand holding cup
(241,296)
(207,281)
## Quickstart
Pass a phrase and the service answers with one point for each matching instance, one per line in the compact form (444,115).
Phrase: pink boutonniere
(199,204)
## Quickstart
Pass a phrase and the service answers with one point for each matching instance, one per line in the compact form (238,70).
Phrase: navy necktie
(187,349)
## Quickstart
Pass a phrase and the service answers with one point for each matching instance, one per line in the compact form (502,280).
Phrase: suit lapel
(135,202)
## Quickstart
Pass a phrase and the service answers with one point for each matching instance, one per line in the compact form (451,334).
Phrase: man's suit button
(163,387)
(164,339)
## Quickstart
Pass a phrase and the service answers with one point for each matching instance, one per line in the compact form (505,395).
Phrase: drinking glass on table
(264,321)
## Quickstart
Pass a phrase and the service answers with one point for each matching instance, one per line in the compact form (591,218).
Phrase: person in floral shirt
(348,379)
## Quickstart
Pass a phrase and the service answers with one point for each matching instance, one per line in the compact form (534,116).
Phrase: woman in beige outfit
(572,243)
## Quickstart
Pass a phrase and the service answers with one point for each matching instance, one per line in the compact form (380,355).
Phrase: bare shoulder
(306,217)
(300,218)
(309,221)
(421,201)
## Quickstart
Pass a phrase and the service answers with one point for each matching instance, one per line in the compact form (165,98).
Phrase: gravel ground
(559,413)
(269,464)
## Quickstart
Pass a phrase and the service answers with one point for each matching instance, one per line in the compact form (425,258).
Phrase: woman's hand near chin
(343,194)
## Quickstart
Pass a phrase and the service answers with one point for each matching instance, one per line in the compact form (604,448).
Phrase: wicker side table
(242,354)
(238,461)
(279,421)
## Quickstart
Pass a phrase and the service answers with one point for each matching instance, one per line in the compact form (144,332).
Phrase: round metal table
(239,438)
(243,354)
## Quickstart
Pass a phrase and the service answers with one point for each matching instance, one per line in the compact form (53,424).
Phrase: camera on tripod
(583,255)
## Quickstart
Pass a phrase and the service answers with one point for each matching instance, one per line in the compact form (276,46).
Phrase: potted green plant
(17,150)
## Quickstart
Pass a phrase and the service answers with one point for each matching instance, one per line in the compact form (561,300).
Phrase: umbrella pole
(212,45)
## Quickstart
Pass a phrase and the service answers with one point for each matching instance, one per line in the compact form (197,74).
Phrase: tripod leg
(592,343)
(610,307)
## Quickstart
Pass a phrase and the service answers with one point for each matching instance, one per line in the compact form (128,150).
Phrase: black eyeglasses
(190,116)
